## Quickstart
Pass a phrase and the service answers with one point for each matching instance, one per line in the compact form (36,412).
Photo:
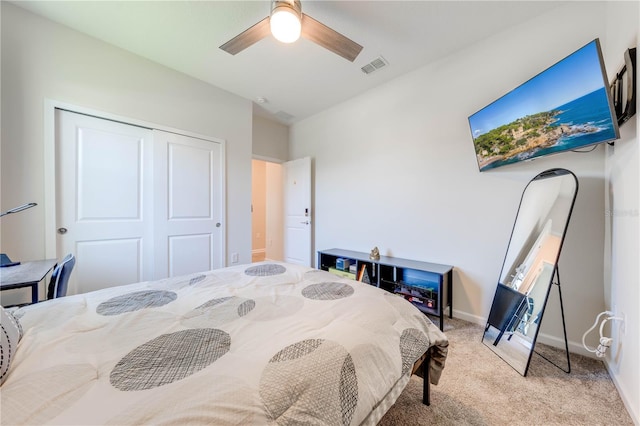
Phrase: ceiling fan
(287,23)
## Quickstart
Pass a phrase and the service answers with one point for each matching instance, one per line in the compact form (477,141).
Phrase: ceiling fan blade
(247,37)
(330,39)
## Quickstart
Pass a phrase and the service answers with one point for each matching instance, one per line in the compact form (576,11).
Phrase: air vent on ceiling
(374,65)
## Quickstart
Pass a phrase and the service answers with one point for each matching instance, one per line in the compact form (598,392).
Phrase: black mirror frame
(550,173)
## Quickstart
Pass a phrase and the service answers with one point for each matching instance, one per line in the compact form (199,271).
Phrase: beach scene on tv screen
(563,108)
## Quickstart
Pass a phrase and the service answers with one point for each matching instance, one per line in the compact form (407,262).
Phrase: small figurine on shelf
(375,254)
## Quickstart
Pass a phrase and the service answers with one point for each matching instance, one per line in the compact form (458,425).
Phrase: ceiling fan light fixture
(285,21)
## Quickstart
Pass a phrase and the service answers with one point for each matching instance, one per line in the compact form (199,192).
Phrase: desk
(26,274)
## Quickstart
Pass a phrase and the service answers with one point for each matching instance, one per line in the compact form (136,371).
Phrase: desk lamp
(4,259)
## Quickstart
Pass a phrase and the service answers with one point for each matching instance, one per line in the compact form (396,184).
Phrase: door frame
(49,125)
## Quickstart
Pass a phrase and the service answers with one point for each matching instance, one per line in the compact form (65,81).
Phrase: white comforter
(267,343)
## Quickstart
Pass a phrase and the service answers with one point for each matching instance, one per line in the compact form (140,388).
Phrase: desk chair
(506,311)
(60,277)
(59,280)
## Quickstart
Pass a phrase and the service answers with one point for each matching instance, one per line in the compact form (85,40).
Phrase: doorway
(267,213)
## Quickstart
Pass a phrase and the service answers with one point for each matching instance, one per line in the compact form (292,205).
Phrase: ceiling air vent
(374,65)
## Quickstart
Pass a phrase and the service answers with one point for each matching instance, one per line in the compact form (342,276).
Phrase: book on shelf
(342,273)
(362,271)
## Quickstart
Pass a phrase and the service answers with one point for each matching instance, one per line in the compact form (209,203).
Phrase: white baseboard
(574,348)
(471,318)
(635,416)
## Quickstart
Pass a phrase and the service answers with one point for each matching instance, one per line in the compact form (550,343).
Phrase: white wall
(270,140)
(271,143)
(622,217)
(275,212)
(395,168)
(43,60)
(258,209)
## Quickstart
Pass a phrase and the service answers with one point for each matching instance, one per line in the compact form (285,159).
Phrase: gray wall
(395,168)
(43,60)
(270,140)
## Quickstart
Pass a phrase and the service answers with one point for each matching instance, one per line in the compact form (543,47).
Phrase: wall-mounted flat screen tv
(566,107)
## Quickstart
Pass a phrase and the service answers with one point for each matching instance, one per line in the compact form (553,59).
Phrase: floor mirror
(530,268)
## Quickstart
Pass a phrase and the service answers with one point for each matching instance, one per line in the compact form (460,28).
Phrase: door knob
(62,231)
(306,222)
(218,225)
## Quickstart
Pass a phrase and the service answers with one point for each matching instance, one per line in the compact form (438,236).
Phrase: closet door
(135,204)
(189,229)
(104,200)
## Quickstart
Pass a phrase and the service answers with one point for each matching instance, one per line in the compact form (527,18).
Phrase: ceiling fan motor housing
(294,5)
(294,24)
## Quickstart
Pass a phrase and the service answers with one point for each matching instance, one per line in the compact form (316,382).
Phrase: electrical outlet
(234,258)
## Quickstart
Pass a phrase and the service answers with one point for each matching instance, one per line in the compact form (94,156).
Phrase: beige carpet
(479,388)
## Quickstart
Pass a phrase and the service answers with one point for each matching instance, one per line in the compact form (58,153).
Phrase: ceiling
(300,79)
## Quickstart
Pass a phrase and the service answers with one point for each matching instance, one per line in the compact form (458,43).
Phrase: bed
(265,343)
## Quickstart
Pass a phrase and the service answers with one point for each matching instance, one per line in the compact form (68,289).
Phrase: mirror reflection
(529,266)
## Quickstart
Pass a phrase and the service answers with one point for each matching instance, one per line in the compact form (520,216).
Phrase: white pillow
(10,335)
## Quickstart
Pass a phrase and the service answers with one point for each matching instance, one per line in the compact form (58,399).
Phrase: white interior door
(104,205)
(297,202)
(189,234)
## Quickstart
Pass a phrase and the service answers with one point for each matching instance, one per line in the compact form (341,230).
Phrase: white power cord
(605,342)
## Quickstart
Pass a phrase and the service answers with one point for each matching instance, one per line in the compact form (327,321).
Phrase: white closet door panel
(109,180)
(189,210)
(190,176)
(189,253)
(104,200)
(108,263)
